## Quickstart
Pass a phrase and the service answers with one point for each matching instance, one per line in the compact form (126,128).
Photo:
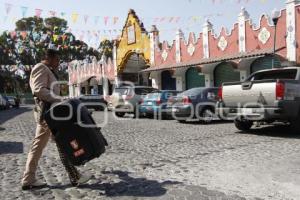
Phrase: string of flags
(232,1)
(76,17)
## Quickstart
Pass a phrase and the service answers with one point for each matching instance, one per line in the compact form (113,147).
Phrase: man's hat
(52,51)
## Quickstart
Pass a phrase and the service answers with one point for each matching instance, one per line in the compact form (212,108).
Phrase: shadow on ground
(11,147)
(127,186)
(279,131)
(197,122)
(6,115)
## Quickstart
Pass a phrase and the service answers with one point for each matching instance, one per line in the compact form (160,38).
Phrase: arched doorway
(225,72)
(265,63)
(135,63)
(167,81)
(193,79)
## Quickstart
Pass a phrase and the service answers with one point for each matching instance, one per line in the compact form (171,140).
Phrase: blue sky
(190,14)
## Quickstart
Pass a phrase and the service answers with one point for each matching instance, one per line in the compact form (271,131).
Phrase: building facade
(204,60)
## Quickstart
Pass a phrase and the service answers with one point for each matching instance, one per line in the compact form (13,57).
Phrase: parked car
(155,104)
(4,104)
(196,103)
(126,99)
(11,100)
(266,96)
(96,102)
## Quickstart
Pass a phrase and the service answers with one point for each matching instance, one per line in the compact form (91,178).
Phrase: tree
(26,45)
(106,48)
(30,24)
(57,24)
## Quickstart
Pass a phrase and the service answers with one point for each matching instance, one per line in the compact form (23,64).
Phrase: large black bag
(80,143)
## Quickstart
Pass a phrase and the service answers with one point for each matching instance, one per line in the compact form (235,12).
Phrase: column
(154,41)
(291,42)
(243,17)
(207,28)
(209,79)
(179,36)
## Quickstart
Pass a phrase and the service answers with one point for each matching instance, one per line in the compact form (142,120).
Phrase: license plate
(149,103)
(247,111)
(149,108)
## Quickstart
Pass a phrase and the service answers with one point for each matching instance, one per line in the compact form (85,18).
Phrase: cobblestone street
(152,159)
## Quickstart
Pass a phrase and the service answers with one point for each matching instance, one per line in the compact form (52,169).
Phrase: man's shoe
(36,184)
(83,179)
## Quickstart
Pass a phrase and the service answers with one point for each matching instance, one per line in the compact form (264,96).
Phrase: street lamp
(275,18)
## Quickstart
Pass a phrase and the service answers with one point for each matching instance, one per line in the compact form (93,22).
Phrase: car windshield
(192,92)
(153,95)
(275,74)
(121,91)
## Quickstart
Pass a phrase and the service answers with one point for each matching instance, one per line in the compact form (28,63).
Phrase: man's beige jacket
(43,84)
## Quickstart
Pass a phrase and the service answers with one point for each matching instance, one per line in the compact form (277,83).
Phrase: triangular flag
(24,11)
(96,20)
(86,17)
(115,20)
(38,12)
(5,18)
(13,34)
(162,19)
(106,20)
(8,7)
(74,17)
(24,34)
(55,37)
(177,19)
(52,13)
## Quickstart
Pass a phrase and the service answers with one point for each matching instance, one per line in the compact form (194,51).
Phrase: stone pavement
(150,159)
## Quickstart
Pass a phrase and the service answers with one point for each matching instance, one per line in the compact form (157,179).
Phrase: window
(275,74)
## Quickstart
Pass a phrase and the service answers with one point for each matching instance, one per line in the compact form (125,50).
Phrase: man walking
(42,79)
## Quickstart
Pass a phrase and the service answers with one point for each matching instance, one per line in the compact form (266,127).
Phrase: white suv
(126,99)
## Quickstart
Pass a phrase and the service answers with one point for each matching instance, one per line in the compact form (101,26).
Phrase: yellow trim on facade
(141,44)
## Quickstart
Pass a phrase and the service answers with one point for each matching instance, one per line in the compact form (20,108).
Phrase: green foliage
(30,24)
(106,48)
(26,45)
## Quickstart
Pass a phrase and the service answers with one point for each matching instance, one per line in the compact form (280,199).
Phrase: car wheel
(120,114)
(207,115)
(242,124)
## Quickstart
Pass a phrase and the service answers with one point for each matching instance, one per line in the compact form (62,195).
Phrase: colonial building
(203,60)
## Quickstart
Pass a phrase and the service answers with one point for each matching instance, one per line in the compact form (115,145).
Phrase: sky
(101,19)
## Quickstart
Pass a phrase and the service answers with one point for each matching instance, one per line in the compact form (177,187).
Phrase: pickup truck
(266,96)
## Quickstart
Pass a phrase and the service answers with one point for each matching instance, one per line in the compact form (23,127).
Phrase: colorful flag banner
(96,20)
(5,19)
(115,20)
(62,14)
(38,12)
(24,10)
(106,18)
(8,7)
(86,17)
(74,17)
(52,13)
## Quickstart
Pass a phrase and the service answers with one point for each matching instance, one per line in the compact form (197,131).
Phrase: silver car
(4,104)
(126,99)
